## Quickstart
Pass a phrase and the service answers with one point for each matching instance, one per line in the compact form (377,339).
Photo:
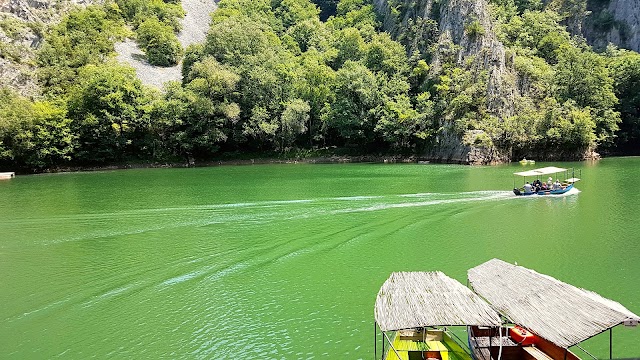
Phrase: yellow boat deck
(445,347)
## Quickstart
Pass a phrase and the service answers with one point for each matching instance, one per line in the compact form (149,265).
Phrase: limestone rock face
(618,23)
(476,51)
(18,46)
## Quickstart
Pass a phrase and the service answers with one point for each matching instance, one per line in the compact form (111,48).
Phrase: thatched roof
(419,299)
(559,312)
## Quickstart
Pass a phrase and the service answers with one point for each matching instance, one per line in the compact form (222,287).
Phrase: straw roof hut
(559,312)
(419,299)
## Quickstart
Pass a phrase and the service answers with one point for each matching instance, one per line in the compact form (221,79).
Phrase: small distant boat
(7,175)
(539,186)
(527,162)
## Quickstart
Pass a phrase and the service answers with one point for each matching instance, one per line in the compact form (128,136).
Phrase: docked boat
(547,317)
(7,175)
(415,310)
(535,181)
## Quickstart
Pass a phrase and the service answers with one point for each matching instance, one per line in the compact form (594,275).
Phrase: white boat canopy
(556,311)
(409,300)
(572,180)
(541,171)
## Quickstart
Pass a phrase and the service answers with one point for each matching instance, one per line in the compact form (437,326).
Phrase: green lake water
(284,261)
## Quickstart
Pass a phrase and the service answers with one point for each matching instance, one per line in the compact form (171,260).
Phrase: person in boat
(558,185)
(537,185)
(544,186)
(550,182)
(527,188)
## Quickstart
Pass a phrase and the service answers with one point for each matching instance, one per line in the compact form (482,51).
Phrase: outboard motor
(517,191)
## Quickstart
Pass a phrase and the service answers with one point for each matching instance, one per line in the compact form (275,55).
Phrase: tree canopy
(276,76)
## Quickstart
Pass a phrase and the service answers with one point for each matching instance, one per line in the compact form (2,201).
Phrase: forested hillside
(453,80)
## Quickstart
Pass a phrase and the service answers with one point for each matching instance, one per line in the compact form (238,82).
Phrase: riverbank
(320,157)
(330,159)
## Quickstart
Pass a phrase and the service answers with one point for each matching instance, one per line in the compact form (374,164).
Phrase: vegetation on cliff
(272,77)
(596,84)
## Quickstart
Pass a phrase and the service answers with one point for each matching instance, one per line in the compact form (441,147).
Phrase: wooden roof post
(382,356)
(611,343)
(391,345)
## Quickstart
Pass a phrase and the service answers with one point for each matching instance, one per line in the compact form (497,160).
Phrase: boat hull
(485,345)
(7,175)
(544,192)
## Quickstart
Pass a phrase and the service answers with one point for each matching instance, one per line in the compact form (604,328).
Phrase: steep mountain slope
(615,21)
(22,24)
(21,31)
(465,36)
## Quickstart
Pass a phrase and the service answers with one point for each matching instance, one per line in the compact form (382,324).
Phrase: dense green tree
(583,77)
(233,39)
(569,127)
(33,136)
(84,36)
(292,12)
(315,86)
(402,125)
(350,116)
(159,42)
(259,11)
(138,11)
(192,54)
(349,45)
(358,14)
(625,69)
(211,79)
(311,33)
(293,122)
(264,89)
(108,107)
(536,33)
(386,56)
(272,76)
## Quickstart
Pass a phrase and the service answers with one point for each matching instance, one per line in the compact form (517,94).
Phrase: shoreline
(329,159)
(236,162)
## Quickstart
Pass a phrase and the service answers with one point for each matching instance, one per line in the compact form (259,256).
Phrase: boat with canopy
(539,186)
(550,316)
(414,311)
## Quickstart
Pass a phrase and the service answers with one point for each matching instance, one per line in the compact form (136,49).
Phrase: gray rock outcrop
(18,46)
(617,23)
(476,50)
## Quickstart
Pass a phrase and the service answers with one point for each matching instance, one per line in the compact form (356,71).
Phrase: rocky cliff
(465,35)
(613,21)
(22,23)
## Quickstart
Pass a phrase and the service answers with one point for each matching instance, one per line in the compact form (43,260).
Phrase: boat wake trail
(138,222)
(432,199)
(280,231)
